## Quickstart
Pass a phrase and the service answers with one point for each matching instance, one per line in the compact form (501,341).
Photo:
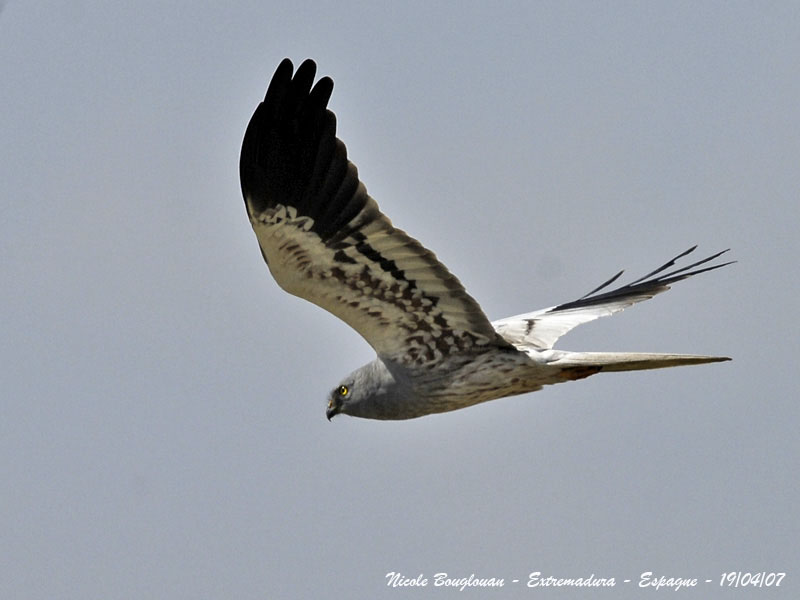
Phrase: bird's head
(370,392)
(337,399)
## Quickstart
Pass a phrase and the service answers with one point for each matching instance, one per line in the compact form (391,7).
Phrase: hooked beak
(332,411)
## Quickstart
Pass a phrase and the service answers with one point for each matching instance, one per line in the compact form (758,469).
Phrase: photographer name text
(536,579)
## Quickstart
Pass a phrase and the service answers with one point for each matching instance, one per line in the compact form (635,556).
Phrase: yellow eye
(343,391)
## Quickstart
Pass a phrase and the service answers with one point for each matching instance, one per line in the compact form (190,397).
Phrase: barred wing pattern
(325,240)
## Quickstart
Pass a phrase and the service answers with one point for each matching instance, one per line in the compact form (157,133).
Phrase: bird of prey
(325,239)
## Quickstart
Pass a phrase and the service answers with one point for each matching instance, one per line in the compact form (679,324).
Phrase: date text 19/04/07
(535,579)
(747,579)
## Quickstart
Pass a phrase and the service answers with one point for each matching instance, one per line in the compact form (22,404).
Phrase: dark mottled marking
(341,257)
(387,265)
(529,326)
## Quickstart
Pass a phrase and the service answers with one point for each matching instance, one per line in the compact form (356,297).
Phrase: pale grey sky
(163,430)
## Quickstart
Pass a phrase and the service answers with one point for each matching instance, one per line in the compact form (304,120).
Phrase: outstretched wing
(540,329)
(325,240)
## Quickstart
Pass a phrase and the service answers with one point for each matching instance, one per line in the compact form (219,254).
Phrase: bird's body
(460,381)
(325,240)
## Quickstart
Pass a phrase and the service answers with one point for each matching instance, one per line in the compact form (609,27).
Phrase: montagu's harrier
(325,239)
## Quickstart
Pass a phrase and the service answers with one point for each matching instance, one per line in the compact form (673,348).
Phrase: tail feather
(630,361)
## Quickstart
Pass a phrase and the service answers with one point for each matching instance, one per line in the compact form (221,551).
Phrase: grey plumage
(325,240)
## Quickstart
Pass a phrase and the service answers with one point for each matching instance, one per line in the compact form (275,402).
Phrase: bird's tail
(577,365)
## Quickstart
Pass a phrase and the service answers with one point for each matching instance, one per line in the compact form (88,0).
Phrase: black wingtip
(654,282)
(290,154)
(282,75)
(603,285)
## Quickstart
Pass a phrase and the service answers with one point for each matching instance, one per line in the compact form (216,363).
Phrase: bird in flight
(325,239)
